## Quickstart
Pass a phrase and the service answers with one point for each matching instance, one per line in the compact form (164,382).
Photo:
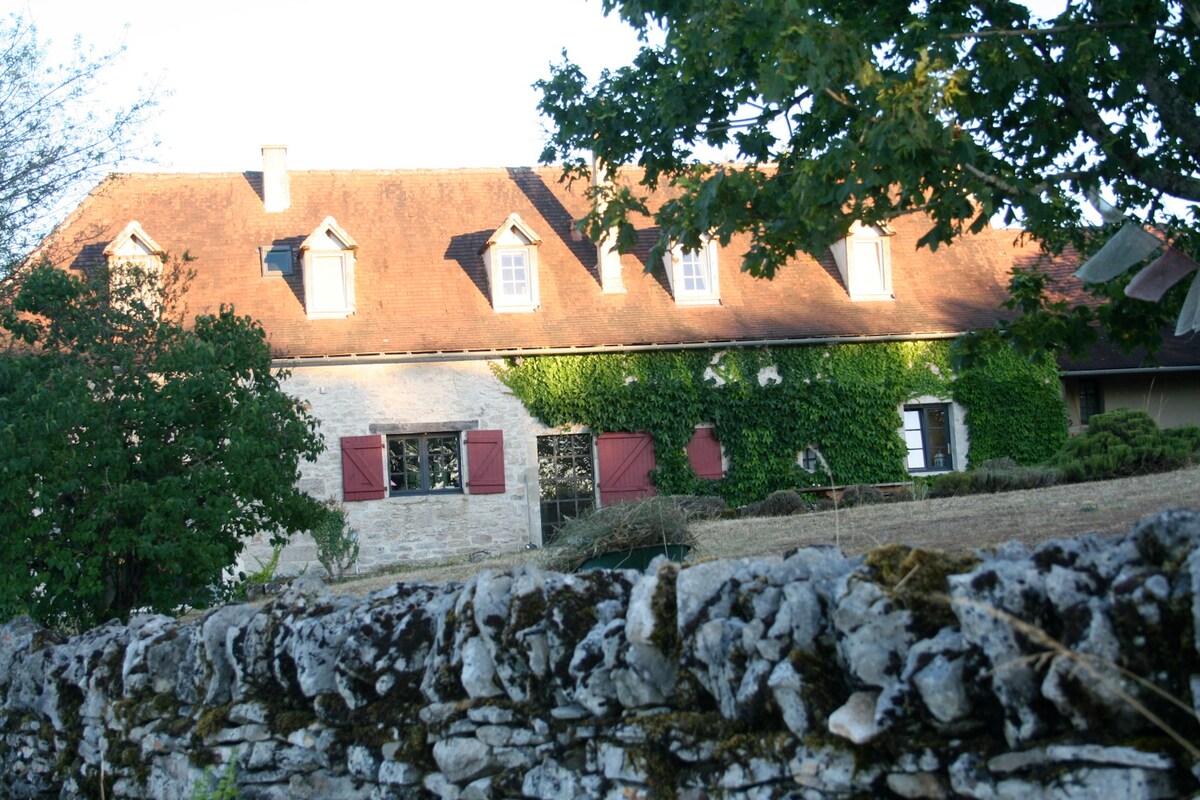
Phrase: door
(625,461)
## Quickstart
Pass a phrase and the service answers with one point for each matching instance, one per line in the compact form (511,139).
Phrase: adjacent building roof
(421,286)
(1176,352)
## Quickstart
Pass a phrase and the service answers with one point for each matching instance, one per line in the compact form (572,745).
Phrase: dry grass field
(951,524)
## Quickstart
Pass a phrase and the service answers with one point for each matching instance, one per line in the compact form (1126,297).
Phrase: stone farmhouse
(390,295)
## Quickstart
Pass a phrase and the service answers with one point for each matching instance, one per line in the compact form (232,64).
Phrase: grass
(954,524)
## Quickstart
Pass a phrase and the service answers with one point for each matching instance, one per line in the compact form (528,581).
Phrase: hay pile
(617,528)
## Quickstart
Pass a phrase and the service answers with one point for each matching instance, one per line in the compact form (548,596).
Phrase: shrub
(1004,478)
(337,543)
(778,504)
(1125,442)
(862,494)
(624,526)
(700,506)
(953,484)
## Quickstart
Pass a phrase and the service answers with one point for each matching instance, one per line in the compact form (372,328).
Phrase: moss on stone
(212,720)
(917,579)
(664,606)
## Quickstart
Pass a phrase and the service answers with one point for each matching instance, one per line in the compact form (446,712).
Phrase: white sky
(353,84)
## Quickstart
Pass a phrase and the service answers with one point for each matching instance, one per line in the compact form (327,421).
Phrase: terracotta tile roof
(1176,351)
(420,282)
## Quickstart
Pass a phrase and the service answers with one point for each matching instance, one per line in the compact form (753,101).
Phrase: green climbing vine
(769,404)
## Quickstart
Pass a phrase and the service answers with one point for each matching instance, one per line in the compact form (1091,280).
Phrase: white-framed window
(928,435)
(510,259)
(864,259)
(328,260)
(133,250)
(693,275)
(276,260)
(514,275)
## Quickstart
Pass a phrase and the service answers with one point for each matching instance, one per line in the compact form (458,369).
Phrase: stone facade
(898,674)
(348,399)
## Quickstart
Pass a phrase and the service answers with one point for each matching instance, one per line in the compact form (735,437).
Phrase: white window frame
(512,238)
(331,248)
(134,247)
(866,278)
(676,264)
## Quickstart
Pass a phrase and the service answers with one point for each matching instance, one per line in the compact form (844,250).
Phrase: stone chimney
(608,260)
(277,195)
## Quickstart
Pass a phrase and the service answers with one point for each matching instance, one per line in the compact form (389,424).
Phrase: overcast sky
(353,84)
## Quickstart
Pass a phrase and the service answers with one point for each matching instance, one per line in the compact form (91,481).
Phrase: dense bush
(778,504)
(953,484)
(700,506)
(995,475)
(862,494)
(1126,442)
(139,449)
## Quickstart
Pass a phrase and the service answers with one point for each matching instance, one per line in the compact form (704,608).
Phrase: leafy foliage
(136,454)
(844,400)
(337,544)
(1124,442)
(1006,414)
(53,138)
(842,111)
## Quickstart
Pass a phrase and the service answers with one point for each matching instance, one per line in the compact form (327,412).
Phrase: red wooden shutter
(704,454)
(625,461)
(485,462)
(363,475)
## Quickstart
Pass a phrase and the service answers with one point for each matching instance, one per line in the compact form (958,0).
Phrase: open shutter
(625,462)
(363,476)
(485,462)
(704,454)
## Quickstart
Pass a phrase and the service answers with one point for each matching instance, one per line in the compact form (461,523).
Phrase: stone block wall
(348,399)
(898,674)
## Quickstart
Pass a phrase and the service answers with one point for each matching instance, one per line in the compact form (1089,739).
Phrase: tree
(841,110)
(136,454)
(54,139)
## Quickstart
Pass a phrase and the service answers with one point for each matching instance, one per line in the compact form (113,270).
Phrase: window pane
(866,274)
(927,437)
(328,284)
(565,479)
(425,463)
(937,438)
(277,260)
(514,276)
(404,464)
(442,455)
(692,270)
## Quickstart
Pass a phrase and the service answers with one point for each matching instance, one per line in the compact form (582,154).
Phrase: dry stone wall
(899,674)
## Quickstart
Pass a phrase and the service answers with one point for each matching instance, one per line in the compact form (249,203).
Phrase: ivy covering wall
(843,399)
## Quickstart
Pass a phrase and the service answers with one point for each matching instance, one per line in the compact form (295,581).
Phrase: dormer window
(692,275)
(864,259)
(134,248)
(328,265)
(510,259)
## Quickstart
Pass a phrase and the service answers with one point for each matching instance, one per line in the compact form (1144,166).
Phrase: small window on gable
(692,275)
(510,260)
(276,260)
(327,261)
(134,250)
(864,259)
